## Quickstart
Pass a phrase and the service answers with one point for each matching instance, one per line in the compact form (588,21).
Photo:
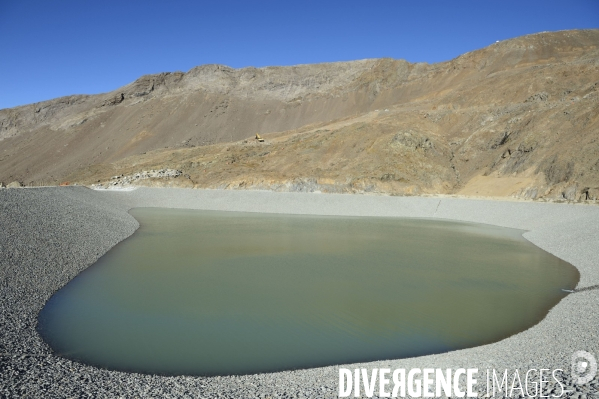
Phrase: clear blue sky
(56,48)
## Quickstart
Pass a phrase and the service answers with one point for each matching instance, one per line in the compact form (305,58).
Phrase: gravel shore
(48,235)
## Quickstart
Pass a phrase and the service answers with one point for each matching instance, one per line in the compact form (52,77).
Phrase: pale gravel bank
(48,235)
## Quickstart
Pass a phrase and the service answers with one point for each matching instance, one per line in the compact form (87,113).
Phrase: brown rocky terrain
(518,118)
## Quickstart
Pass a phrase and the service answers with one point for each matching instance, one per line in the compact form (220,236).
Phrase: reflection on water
(205,293)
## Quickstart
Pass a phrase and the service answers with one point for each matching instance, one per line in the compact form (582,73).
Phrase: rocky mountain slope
(518,118)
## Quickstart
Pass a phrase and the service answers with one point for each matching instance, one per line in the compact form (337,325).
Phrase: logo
(584,367)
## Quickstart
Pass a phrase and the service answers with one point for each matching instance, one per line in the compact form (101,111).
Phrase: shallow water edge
(79,225)
(494,270)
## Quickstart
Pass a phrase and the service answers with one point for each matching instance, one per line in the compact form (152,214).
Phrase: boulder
(413,140)
(570,193)
(14,184)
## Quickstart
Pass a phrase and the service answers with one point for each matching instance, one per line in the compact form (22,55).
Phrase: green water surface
(218,293)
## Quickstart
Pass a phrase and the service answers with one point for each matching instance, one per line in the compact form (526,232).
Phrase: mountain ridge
(553,74)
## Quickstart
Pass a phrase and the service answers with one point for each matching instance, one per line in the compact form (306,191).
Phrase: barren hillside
(518,118)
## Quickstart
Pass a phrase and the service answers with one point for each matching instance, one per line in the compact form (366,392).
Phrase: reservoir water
(219,293)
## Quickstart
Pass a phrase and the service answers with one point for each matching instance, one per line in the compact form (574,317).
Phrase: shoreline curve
(49,235)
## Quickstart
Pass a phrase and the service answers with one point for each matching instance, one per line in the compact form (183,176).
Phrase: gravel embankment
(48,235)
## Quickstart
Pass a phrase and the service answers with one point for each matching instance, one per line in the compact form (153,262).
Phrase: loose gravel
(49,235)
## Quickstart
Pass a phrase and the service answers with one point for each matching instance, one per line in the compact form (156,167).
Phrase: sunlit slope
(518,117)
